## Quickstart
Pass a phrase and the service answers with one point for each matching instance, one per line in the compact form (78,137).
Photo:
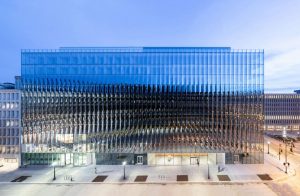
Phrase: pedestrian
(95,170)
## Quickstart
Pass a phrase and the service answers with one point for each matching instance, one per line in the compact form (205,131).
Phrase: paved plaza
(155,174)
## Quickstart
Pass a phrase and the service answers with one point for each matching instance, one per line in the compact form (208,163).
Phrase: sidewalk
(154,174)
(273,157)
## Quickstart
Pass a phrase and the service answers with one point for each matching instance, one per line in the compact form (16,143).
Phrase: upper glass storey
(217,68)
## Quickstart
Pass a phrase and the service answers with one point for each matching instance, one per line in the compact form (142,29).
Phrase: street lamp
(279,151)
(124,163)
(286,164)
(54,164)
(268,147)
(208,176)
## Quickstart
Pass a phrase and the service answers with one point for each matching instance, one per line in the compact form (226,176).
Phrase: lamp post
(124,163)
(268,147)
(208,176)
(286,164)
(279,151)
(54,164)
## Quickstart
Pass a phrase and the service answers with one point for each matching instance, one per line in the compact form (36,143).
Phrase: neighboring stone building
(10,123)
(282,110)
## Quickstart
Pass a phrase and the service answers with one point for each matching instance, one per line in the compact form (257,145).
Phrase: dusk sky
(272,25)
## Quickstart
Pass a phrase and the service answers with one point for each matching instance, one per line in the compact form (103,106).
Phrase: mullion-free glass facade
(141,100)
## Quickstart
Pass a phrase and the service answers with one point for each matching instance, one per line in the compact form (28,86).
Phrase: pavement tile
(264,176)
(20,179)
(182,178)
(141,178)
(99,179)
(223,178)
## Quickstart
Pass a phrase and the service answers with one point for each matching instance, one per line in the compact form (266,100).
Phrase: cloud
(282,66)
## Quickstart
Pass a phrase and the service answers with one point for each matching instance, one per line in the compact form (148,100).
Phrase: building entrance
(195,161)
(139,160)
(180,158)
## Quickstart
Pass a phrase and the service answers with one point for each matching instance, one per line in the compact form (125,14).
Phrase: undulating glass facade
(143,100)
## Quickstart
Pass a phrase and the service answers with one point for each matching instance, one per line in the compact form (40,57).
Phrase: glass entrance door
(194,160)
(139,160)
(236,159)
(79,159)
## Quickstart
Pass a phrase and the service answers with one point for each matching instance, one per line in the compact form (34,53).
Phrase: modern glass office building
(145,105)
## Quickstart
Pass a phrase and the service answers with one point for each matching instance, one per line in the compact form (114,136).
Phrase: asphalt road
(134,189)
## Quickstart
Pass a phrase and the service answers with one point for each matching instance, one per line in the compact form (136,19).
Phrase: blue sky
(273,25)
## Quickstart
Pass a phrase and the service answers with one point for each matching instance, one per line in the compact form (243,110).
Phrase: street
(134,189)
